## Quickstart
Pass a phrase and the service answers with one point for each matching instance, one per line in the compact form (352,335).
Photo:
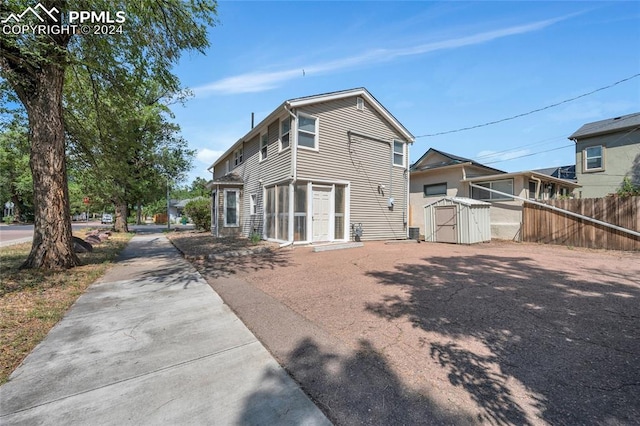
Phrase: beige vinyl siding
(365,164)
(275,168)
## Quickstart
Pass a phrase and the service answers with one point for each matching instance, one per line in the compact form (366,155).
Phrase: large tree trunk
(122,213)
(52,238)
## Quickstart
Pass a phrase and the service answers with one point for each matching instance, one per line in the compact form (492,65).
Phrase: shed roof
(610,125)
(461,200)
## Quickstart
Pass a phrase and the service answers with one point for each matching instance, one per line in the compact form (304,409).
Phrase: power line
(530,112)
(529,154)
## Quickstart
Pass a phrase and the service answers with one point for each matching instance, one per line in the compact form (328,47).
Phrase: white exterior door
(321,213)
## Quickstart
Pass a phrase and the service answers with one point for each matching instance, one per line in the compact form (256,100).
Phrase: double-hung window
(285,128)
(264,142)
(307,131)
(237,157)
(398,153)
(593,158)
(231,207)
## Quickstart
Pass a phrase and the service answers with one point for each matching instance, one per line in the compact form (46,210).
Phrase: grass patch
(33,301)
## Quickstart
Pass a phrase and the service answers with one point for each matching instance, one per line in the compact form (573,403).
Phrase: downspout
(538,186)
(293,143)
(293,140)
(557,209)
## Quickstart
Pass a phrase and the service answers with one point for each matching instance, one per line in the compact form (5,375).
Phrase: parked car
(106,218)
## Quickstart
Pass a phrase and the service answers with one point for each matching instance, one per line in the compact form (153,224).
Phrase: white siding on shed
(472,217)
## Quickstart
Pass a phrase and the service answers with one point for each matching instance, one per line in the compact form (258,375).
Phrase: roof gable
(315,99)
(433,159)
(610,125)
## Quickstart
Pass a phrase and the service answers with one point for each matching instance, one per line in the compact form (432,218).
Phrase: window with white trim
(307,131)
(504,185)
(227,168)
(285,127)
(253,204)
(237,157)
(360,104)
(398,153)
(593,158)
(231,207)
(264,142)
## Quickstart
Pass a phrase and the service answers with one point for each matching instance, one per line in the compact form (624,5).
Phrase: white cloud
(208,156)
(262,81)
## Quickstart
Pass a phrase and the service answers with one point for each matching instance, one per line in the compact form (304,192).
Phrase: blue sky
(436,66)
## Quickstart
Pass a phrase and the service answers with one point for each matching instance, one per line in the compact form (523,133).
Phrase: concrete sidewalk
(152,343)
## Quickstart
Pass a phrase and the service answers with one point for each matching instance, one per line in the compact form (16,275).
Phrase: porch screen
(300,213)
(339,216)
(270,212)
(283,212)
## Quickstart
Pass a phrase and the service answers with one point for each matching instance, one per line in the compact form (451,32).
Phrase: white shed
(457,220)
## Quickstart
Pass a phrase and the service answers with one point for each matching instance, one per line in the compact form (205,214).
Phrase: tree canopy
(151,39)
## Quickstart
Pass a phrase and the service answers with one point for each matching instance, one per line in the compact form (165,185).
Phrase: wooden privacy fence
(543,225)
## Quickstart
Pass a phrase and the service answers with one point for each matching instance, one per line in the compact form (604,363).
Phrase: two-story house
(329,167)
(607,151)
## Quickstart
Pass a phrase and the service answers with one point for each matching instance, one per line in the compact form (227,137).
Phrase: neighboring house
(562,172)
(176,208)
(317,168)
(607,151)
(506,211)
(437,174)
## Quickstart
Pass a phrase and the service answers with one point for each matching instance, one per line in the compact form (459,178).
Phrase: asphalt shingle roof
(609,125)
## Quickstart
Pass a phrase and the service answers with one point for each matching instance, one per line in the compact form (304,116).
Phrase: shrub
(199,211)
(8,220)
(628,189)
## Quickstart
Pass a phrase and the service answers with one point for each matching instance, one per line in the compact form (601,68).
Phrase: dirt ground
(499,333)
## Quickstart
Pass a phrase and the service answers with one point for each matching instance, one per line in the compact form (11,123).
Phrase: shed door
(321,213)
(446,224)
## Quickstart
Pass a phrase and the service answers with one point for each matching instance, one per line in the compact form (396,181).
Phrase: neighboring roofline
(462,161)
(314,99)
(606,126)
(541,176)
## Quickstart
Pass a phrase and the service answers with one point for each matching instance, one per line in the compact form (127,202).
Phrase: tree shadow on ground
(574,343)
(244,264)
(358,388)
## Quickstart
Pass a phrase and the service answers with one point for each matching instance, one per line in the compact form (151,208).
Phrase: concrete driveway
(499,333)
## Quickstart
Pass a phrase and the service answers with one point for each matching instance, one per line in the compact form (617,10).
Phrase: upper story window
(227,168)
(398,153)
(360,104)
(237,156)
(285,127)
(593,158)
(307,131)
(435,189)
(264,142)
(504,186)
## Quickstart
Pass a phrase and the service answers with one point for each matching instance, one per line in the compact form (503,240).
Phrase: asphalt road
(15,234)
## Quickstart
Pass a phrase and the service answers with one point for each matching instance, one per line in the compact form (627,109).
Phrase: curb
(224,255)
